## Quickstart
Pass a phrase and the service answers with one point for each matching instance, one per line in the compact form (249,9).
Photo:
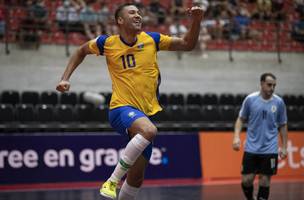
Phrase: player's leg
(134,180)
(264,185)
(247,185)
(143,132)
(248,174)
(136,173)
(269,165)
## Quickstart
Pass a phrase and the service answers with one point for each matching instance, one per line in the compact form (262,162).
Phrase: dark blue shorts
(121,119)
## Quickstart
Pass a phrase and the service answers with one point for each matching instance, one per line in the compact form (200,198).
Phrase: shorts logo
(131,114)
(273,109)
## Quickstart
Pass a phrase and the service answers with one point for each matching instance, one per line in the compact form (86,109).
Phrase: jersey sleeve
(93,47)
(282,115)
(164,42)
(96,46)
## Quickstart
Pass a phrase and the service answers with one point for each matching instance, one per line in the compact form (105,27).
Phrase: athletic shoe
(108,189)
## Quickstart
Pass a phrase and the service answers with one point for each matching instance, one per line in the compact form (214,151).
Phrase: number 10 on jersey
(128,61)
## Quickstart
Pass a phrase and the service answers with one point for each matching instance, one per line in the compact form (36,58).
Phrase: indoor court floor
(279,191)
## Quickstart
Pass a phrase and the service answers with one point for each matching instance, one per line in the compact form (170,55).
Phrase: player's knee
(149,132)
(247,181)
(264,181)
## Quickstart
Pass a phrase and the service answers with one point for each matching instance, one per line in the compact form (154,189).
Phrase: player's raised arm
(74,62)
(188,42)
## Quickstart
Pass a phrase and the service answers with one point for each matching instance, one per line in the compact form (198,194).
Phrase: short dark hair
(120,8)
(263,76)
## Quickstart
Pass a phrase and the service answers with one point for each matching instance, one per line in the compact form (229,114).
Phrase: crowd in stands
(225,20)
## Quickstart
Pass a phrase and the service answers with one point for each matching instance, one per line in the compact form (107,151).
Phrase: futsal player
(265,113)
(132,63)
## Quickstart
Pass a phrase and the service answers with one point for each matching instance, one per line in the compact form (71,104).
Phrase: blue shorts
(121,119)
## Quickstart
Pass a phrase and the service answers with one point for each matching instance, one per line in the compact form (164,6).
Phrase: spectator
(67,17)
(89,19)
(148,18)
(299,7)
(278,10)
(158,10)
(28,30)
(2,22)
(103,16)
(242,22)
(263,10)
(298,30)
(218,16)
(203,39)
(176,28)
(178,8)
(40,15)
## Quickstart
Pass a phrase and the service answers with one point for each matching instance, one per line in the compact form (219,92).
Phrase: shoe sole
(107,196)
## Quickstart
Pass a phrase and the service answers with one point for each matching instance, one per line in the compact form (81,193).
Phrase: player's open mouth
(137,23)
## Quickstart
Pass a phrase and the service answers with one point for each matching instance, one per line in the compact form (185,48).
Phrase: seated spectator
(278,10)
(203,39)
(177,8)
(103,13)
(40,15)
(242,21)
(89,19)
(2,22)
(28,29)
(158,10)
(148,18)
(263,10)
(67,17)
(298,30)
(299,7)
(176,28)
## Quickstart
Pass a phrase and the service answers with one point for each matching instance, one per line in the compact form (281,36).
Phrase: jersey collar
(130,45)
(265,100)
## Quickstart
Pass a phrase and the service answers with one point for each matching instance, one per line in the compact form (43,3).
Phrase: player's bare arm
(74,62)
(284,138)
(188,42)
(236,143)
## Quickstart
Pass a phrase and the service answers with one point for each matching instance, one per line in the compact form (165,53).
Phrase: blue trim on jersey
(156,38)
(121,119)
(101,40)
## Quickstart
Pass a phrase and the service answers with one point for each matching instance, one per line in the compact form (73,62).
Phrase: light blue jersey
(264,117)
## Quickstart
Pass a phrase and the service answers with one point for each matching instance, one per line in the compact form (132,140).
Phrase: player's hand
(283,153)
(63,86)
(236,144)
(196,12)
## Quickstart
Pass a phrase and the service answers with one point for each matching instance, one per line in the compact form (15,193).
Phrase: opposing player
(265,113)
(132,62)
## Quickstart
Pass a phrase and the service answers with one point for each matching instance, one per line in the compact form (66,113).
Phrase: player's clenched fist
(63,86)
(196,12)
(236,144)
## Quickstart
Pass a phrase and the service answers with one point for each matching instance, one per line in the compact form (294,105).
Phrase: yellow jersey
(133,69)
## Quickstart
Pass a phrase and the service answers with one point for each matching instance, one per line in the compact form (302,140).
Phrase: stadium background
(201,97)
